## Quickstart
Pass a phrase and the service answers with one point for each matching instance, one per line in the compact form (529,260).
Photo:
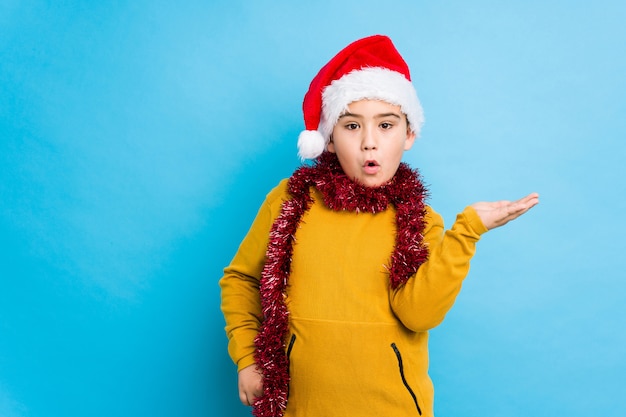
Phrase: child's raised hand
(498,213)
(250,384)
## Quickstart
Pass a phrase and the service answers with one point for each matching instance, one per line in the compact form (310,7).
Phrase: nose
(368,141)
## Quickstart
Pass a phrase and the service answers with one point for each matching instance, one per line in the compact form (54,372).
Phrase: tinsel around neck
(343,193)
(405,192)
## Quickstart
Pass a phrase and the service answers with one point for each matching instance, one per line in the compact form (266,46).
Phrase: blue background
(137,140)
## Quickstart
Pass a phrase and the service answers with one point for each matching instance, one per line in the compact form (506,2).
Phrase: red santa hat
(369,68)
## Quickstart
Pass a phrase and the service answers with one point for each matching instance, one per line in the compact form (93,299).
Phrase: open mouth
(371,167)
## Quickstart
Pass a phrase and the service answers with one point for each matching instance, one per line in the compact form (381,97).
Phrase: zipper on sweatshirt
(290,346)
(292,340)
(404,381)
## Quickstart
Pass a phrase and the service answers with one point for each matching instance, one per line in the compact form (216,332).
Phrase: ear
(410,139)
(331,145)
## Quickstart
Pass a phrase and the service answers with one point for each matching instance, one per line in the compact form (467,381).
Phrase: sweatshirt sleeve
(422,303)
(240,300)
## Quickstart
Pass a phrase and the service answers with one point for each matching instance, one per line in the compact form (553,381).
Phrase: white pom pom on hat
(369,68)
(311,144)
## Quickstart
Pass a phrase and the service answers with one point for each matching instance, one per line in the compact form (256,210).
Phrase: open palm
(498,213)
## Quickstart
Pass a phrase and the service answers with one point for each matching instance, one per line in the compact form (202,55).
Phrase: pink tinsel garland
(405,192)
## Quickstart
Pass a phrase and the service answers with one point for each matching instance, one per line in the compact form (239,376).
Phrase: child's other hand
(250,384)
(498,213)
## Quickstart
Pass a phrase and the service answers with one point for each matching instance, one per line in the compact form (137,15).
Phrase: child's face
(369,140)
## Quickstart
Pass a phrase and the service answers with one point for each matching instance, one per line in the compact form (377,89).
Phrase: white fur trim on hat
(373,83)
(311,144)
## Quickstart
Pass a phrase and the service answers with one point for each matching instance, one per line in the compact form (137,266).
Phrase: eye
(386,125)
(352,126)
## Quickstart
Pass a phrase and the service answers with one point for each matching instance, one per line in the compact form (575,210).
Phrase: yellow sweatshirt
(356,347)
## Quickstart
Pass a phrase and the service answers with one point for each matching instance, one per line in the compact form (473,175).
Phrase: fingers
(526,203)
(498,213)
(247,398)
(530,200)
(250,385)
(520,207)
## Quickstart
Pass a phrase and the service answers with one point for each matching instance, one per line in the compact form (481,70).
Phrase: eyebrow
(378,116)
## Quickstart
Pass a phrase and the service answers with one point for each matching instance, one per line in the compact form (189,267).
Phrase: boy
(330,297)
